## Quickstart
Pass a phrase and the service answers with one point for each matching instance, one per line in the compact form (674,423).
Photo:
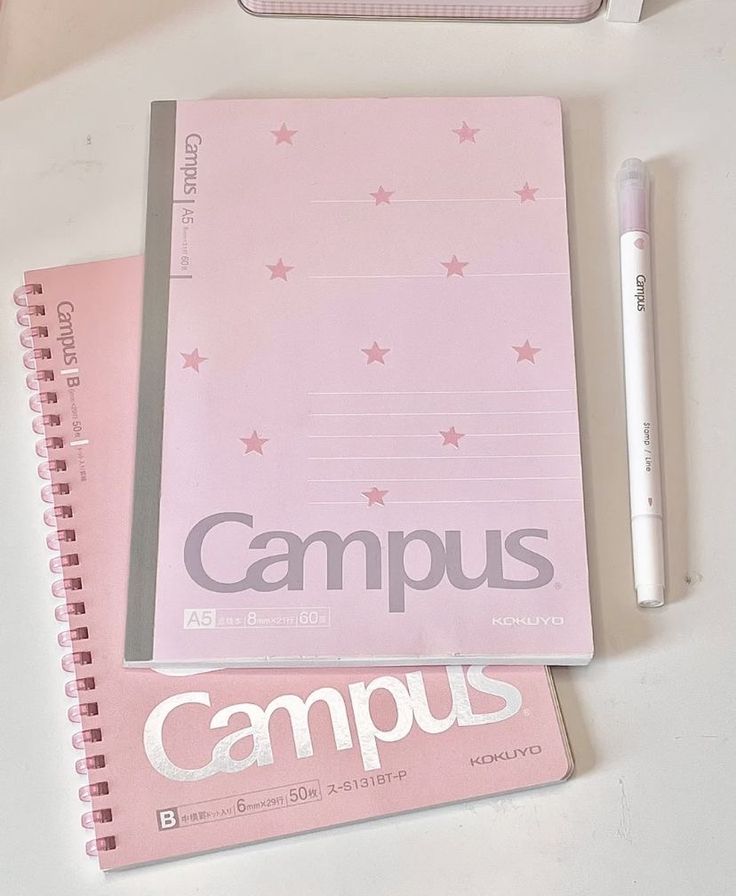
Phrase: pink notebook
(496,10)
(358,421)
(185,764)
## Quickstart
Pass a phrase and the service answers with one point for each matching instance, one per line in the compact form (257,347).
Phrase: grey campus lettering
(190,168)
(444,559)
(193,552)
(293,577)
(66,338)
(398,577)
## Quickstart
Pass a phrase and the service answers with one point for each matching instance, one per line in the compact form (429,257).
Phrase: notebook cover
(185,764)
(509,10)
(359,404)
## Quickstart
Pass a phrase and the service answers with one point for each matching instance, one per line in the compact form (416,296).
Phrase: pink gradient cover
(370,439)
(183,765)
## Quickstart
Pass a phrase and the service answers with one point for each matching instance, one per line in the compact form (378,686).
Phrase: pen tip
(632,182)
(634,172)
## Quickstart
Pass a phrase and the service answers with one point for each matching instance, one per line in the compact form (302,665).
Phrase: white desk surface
(651,807)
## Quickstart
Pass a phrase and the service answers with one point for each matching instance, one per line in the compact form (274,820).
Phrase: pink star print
(455,267)
(466,133)
(526,193)
(383,197)
(192,359)
(525,352)
(451,437)
(284,135)
(254,442)
(375,496)
(375,354)
(279,270)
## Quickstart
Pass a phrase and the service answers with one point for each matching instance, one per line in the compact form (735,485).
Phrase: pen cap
(632,182)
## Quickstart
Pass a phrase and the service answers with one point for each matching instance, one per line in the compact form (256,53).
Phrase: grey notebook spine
(152,383)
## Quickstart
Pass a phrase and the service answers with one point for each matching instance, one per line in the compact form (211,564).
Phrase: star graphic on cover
(466,133)
(280,270)
(526,352)
(526,193)
(374,353)
(254,443)
(451,437)
(192,359)
(375,496)
(383,197)
(455,267)
(284,135)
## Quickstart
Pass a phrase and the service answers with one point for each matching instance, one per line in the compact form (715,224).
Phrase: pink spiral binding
(66,562)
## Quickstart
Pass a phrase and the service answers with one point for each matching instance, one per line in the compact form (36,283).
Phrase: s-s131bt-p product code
(379,780)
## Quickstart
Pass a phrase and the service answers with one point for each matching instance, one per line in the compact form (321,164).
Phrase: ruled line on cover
(449,392)
(77,442)
(434,276)
(69,370)
(514,199)
(430,413)
(434,435)
(471,501)
(442,457)
(462,479)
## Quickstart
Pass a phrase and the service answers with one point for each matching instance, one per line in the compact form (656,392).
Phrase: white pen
(642,420)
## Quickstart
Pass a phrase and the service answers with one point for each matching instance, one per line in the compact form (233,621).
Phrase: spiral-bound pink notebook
(358,431)
(186,764)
